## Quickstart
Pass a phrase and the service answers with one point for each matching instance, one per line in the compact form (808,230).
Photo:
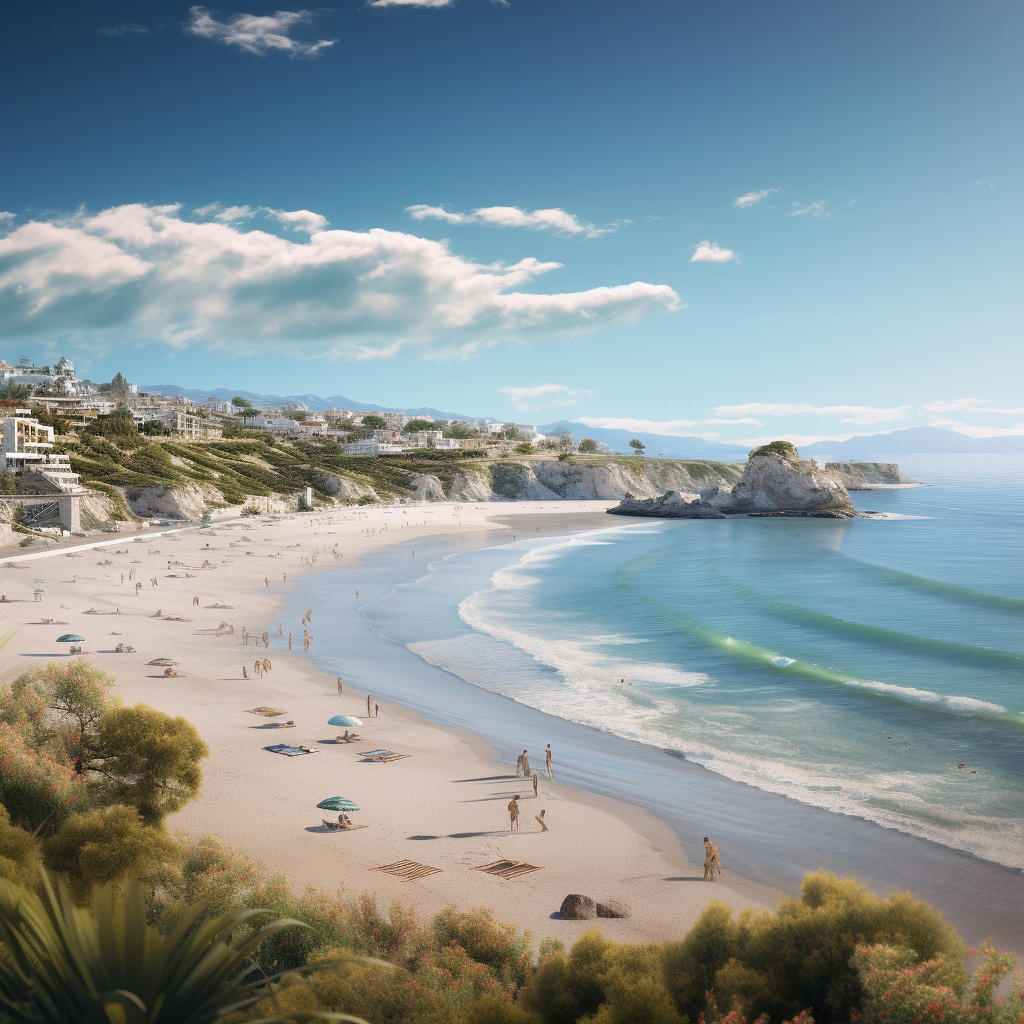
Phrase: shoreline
(443,806)
(612,834)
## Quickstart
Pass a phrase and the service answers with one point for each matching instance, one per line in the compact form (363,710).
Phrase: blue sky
(741,220)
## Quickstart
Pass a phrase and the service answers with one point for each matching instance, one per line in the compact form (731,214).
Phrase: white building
(27,446)
(423,439)
(447,444)
(218,405)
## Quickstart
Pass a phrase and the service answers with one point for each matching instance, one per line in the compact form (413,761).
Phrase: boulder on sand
(578,908)
(613,908)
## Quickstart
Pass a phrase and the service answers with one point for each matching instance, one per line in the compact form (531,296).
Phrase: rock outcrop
(613,908)
(865,476)
(772,484)
(578,908)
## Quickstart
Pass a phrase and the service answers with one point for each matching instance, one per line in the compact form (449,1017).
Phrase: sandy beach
(443,806)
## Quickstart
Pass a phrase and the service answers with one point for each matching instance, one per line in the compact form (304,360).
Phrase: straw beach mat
(407,870)
(508,869)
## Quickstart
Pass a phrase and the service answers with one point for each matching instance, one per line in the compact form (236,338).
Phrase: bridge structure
(58,509)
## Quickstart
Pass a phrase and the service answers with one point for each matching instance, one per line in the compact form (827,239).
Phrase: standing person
(519,765)
(340,688)
(539,818)
(513,813)
(367,705)
(376,710)
(711,860)
(547,758)
(534,783)
(526,765)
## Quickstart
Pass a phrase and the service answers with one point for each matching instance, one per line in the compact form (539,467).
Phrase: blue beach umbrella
(337,803)
(71,638)
(348,721)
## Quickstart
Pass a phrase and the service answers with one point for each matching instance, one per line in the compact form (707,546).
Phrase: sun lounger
(382,755)
(288,750)
(337,826)
(265,712)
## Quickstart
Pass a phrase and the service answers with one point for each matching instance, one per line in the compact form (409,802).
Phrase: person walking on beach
(711,860)
(513,812)
(547,759)
(376,710)
(519,764)
(535,784)
(539,818)
(526,765)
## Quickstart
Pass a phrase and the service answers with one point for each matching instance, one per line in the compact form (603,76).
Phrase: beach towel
(265,712)
(289,751)
(382,755)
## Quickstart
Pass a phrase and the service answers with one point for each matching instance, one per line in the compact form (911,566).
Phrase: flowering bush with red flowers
(900,989)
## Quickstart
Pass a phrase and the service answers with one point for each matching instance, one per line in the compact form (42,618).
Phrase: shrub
(899,989)
(250,510)
(781,448)
(37,791)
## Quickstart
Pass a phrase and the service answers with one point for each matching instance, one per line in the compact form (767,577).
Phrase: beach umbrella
(71,638)
(349,721)
(337,803)
(162,662)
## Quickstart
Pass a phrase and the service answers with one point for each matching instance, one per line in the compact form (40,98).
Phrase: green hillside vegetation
(781,448)
(85,785)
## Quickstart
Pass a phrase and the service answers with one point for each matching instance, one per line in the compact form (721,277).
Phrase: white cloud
(543,395)
(297,220)
(815,209)
(861,414)
(257,34)
(125,29)
(970,405)
(972,431)
(674,428)
(555,220)
(797,439)
(987,184)
(146,272)
(751,198)
(711,252)
(739,419)
(6,215)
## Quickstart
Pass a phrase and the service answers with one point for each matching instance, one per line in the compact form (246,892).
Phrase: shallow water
(830,666)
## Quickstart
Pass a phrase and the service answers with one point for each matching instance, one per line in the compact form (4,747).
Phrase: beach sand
(443,806)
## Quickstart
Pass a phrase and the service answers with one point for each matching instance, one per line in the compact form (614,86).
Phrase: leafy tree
(637,445)
(118,426)
(374,422)
(588,446)
(249,413)
(241,403)
(78,966)
(414,426)
(524,448)
(155,428)
(37,791)
(118,387)
(459,432)
(781,448)
(8,483)
(15,392)
(109,844)
(149,760)
(299,415)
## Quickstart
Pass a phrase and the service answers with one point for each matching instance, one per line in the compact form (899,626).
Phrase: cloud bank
(259,34)
(147,272)
(861,414)
(543,395)
(555,220)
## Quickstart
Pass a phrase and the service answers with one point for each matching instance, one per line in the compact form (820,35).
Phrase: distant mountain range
(911,440)
(916,441)
(314,403)
(656,444)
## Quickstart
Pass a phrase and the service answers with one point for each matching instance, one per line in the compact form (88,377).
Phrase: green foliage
(155,428)
(899,989)
(524,448)
(118,427)
(241,403)
(19,853)
(798,957)
(105,845)
(588,446)
(149,760)
(486,941)
(637,445)
(459,432)
(781,448)
(83,966)
(251,510)
(8,483)
(565,456)
(374,422)
(37,791)
(414,426)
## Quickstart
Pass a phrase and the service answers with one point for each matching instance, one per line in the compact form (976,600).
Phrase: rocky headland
(775,482)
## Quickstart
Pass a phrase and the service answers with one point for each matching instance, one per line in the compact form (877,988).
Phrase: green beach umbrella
(337,803)
(71,638)
(349,721)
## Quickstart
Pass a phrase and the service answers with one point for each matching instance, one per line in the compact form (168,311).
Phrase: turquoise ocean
(795,672)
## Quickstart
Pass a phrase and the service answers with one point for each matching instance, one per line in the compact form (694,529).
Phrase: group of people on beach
(523,768)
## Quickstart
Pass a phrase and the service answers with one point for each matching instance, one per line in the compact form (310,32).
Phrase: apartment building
(27,447)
